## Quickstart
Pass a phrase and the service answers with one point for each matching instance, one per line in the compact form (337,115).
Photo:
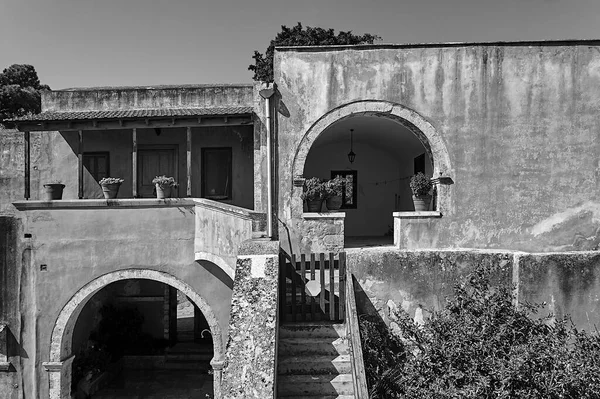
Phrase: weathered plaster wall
(519,123)
(419,281)
(80,245)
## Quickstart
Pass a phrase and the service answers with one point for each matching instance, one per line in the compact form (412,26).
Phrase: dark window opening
(216,173)
(349,193)
(419,164)
(97,164)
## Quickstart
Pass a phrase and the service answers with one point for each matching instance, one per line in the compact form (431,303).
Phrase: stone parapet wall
(251,352)
(321,232)
(419,281)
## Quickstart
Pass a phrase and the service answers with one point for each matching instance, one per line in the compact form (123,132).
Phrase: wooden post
(189,161)
(80,164)
(134,163)
(27,149)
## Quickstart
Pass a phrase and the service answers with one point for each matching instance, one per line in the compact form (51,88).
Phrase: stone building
(508,133)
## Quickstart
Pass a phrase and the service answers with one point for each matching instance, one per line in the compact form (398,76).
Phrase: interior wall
(119,144)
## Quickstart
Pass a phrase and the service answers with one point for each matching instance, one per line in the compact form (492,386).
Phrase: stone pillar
(4,363)
(59,376)
(217,366)
(416,230)
(251,355)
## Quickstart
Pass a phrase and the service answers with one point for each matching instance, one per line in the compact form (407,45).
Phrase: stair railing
(359,379)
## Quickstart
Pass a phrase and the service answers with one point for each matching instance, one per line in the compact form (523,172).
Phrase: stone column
(59,376)
(217,366)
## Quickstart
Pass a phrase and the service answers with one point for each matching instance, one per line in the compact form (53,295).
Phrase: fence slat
(331,287)
(342,280)
(294,288)
(303,287)
(322,282)
(312,298)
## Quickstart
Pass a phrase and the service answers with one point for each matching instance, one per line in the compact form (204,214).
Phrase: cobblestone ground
(158,384)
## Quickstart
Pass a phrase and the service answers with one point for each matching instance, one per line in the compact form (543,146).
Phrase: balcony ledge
(105,203)
(417,215)
(324,215)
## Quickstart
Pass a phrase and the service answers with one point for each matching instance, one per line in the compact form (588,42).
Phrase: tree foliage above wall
(302,36)
(20,91)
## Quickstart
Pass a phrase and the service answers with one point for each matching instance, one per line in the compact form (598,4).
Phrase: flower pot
(314,205)
(163,192)
(110,190)
(421,202)
(53,191)
(334,203)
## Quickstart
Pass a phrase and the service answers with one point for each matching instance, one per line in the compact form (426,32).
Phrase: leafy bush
(93,359)
(110,180)
(314,189)
(481,346)
(334,187)
(420,184)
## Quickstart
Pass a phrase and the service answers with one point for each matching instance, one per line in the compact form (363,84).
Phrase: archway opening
(387,155)
(141,337)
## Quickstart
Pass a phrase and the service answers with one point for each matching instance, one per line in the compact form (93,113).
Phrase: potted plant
(164,185)
(333,193)
(110,186)
(421,187)
(53,191)
(313,194)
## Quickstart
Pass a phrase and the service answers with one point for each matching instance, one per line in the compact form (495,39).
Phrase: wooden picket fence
(312,288)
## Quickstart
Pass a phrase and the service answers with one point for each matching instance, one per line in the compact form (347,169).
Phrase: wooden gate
(312,288)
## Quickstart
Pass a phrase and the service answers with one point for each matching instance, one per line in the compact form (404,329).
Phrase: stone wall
(419,281)
(518,122)
(251,354)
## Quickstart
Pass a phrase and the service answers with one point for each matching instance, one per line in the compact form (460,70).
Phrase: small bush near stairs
(481,346)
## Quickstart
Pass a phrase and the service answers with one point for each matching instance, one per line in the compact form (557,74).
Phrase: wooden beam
(134,163)
(27,149)
(189,161)
(80,164)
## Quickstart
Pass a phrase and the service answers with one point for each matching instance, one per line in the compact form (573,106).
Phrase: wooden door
(154,162)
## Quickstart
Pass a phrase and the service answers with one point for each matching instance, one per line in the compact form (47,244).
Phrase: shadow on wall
(217,272)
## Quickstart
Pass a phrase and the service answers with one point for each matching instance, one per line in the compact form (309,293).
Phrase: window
(349,194)
(216,173)
(97,164)
(419,164)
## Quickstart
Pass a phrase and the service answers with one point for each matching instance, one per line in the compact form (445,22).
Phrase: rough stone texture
(321,233)
(518,121)
(251,353)
(568,283)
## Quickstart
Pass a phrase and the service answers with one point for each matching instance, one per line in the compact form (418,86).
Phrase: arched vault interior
(385,160)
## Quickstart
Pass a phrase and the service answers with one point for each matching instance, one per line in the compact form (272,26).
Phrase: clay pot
(314,205)
(53,191)
(110,191)
(163,192)
(421,202)
(334,203)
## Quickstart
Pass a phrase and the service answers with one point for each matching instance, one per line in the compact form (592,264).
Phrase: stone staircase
(314,362)
(188,356)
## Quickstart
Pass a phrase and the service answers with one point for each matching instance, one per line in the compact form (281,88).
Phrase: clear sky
(78,43)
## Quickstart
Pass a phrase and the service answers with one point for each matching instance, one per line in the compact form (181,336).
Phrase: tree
(20,91)
(300,36)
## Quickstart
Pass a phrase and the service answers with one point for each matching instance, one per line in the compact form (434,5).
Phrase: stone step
(189,347)
(318,397)
(199,357)
(311,346)
(312,330)
(311,385)
(314,365)
(187,365)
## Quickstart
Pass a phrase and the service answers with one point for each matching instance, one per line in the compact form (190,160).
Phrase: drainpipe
(267,94)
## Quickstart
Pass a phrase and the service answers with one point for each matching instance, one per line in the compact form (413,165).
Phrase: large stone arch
(425,132)
(61,357)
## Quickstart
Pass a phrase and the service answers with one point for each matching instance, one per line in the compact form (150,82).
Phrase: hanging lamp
(351,154)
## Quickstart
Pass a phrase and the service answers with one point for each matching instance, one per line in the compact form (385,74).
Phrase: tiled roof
(132,114)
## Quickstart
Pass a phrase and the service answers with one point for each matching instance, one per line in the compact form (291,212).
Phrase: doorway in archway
(127,344)
(387,155)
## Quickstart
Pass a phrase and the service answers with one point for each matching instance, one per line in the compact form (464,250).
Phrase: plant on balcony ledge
(421,187)
(314,194)
(164,185)
(54,190)
(110,186)
(333,193)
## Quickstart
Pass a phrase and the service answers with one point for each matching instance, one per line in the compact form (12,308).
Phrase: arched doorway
(392,139)
(61,347)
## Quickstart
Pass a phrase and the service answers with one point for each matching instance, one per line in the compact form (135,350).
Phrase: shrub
(481,346)
(334,187)
(420,184)
(110,180)
(164,181)
(314,189)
